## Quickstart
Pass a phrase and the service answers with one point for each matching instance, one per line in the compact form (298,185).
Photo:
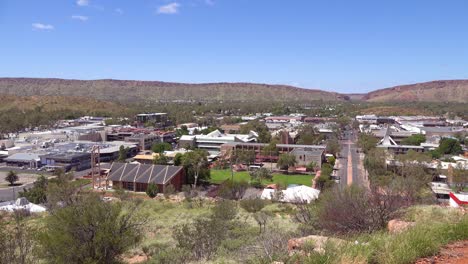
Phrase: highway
(351,170)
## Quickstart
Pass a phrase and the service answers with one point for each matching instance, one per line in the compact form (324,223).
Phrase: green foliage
(261,174)
(331,160)
(90,231)
(233,190)
(309,135)
(270,149)
(161,147)
(123,154)
(312,166)
(160,159)
(449,146)
(11,177)
(204,235)
(17,239)
(38,193)
(367,142)
(253,205)
(264,135)
(414,140)
(152,190)
(178,159)
(196,166)
(286,160)
(333,146)
(243,156)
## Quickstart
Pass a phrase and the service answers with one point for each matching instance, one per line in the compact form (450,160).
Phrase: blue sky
(344,46)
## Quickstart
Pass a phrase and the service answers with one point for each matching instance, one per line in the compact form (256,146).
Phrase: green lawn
(219,176)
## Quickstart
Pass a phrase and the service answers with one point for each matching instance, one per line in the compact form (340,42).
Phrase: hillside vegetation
(436,91)
(147,91)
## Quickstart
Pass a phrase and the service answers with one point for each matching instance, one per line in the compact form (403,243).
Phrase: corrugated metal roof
(143,173)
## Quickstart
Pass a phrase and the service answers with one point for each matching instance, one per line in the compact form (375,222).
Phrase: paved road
(11,193)
(351,170)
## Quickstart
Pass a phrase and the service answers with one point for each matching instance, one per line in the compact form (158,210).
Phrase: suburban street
(351,168)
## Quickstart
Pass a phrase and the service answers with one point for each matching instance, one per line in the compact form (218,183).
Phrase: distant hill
(124,91)
(435,91)
(144,91)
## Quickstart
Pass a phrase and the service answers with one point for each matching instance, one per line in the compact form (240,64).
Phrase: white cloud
(119,11)
(172,8)
(82,2)
(81,18)
(40,26)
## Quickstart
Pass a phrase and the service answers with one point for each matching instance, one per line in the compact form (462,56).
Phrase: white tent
(21,204)
(296,194)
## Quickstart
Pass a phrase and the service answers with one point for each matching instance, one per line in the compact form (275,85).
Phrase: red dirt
(456,253)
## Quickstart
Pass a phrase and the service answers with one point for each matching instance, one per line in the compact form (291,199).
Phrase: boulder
(396,226)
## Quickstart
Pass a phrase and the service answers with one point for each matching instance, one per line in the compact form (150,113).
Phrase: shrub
(233,190)
(253,205)
(152,190)
(169,190)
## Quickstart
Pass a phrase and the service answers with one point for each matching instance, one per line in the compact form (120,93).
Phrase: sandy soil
(456,253)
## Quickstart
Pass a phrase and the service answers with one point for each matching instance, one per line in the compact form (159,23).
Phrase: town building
(137,177)
(304,153)
(213,141)
(158,120)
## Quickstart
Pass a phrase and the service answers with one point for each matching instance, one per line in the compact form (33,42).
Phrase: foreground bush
(90,231)
(425,239)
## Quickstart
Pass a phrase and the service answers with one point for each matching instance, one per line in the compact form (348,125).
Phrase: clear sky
(345,46)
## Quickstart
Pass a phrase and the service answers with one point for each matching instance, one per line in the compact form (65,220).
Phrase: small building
(137,177)
(305,156)
(29,160)
(212,142)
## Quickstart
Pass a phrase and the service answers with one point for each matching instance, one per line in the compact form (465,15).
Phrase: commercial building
(158,120)
(304,153)
(68,161)
(29,160)
(137,177)
(213,141)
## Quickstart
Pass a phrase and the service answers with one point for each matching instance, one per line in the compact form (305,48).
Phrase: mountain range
(128,91)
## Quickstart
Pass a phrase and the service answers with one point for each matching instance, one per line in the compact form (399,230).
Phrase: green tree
(259,175)
(123,154)
(90,231)
(178,159)
(285,161)
(414,140)
(367,142)
(333,146)
(196,165)
(460,178)
(449,146)
(12,177)
(160,159)
(309,135)
(161,147)
(312,166)
(38,193)
(152,190)
(270,149)
(260,128)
